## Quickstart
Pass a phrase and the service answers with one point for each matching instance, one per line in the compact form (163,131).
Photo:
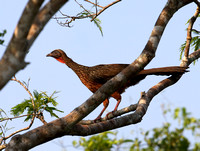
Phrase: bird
(93,77)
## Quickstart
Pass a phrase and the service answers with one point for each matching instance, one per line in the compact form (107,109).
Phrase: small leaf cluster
(97,22)
(186,121)
(85,14)
(168,137)
(100,142)
(42,102)
(2,34)
(195,44)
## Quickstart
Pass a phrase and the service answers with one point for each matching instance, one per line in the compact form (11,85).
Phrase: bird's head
(58,54)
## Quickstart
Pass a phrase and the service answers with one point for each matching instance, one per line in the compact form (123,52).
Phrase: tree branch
(30,25)
(86,14)
(114,114)
(104,8)
(194,56)
(189,33)
(42,18)
(64,126)
(13,58)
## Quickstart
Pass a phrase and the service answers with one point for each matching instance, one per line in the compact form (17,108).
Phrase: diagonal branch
(29,27)
(13,58)
(43,16)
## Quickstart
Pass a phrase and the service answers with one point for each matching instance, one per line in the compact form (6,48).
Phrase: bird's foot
(98,119)
(110,115)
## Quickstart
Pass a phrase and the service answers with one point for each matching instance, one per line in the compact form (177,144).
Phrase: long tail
(164,71)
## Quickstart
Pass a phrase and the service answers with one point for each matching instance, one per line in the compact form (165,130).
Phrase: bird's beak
(49,55)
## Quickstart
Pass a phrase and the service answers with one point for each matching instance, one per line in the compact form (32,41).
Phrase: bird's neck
(71,64)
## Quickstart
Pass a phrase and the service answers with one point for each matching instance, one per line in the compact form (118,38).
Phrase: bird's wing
(102,73)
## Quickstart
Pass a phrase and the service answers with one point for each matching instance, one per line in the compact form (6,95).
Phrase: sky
(126,27)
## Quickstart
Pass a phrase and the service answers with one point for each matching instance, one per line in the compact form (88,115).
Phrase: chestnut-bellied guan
(94,77)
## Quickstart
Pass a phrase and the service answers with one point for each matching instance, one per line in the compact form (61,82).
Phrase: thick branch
(42,19)
(29,27)
(13,58)
(63,126)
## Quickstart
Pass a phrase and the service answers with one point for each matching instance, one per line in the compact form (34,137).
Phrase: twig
(89,14)
(11,118)
(94,3)
(3,134)
(104,8)
(82,6)
(189,33)
(96,6)
(196,31)
(23,129)
(14,79)
(40,116)
(73,18)
(34,114)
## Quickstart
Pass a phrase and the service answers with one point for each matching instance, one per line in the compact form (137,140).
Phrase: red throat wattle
(60,60)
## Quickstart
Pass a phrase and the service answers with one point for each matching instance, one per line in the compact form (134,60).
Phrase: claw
(97,119)
(109,115)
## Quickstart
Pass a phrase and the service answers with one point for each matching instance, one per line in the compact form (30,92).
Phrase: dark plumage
(94,77)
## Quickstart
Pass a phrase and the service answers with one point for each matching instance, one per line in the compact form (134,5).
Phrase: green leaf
(182,48)
(194,44)
(20,108)
(97,22)
(176,113)
(2,34)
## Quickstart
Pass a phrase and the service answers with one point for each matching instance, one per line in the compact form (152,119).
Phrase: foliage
(83,14)
(100,142)
(42,102)
(165,138)
(97,22)
(195,43)
(2,34)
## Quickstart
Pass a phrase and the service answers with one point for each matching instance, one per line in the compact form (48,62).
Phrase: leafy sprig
(42,102)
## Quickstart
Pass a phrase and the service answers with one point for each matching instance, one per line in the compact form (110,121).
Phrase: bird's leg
(115,109)
(118,101)
(105,104)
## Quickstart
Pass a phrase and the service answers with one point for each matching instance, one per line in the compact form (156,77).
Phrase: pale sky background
(126,27)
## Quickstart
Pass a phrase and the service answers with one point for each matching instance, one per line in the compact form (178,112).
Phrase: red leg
(105,104)
(118,102)
(115,109)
